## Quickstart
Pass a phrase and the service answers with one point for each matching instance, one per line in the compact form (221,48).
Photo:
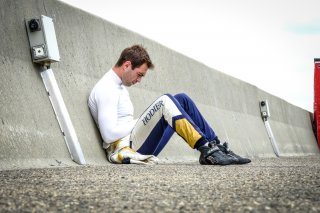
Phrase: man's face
(131,77)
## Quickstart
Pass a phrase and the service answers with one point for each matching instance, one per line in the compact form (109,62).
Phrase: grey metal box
(42,40)
(264,108)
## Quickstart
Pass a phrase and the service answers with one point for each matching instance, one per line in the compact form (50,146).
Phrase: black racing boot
(212,155)
(238,160)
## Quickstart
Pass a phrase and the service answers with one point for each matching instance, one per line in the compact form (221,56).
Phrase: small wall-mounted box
(264,108)
(42,40)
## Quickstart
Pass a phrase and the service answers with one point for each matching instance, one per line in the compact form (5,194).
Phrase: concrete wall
(29,132)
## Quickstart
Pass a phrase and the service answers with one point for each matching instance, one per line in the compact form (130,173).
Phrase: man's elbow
(107,138)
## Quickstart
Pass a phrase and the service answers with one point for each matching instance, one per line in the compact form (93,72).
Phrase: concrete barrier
(29,132)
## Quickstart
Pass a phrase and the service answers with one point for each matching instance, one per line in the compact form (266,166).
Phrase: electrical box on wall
(264,108)
(42,40)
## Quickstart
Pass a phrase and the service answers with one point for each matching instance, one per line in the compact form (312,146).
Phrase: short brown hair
(137,55)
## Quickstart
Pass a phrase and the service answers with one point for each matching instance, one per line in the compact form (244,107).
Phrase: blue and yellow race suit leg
(166,115)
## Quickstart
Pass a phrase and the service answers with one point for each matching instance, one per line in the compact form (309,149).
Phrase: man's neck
(118,71)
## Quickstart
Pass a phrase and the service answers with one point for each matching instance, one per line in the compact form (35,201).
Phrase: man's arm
(109,127)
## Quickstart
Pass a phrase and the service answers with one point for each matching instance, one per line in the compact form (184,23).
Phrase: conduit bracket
(265,114)
(62,116)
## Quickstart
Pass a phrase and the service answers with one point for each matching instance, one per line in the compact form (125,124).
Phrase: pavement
(264,185)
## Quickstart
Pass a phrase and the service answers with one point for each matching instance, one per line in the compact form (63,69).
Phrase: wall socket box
(264,108)
(42,40)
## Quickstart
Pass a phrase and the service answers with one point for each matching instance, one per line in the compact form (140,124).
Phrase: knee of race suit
(182,124)
(181,95)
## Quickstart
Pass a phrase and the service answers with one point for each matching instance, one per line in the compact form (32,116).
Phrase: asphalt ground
(265,185)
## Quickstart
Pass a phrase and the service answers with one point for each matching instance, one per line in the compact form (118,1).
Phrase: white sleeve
(109,128)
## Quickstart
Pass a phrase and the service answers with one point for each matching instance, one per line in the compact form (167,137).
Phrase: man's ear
(127,64)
